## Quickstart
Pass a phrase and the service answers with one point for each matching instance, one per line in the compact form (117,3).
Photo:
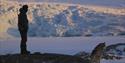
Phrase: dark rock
(41,58)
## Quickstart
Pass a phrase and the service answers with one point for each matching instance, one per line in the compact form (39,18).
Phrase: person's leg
(23,45)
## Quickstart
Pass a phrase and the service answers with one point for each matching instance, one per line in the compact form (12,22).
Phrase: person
(23,28)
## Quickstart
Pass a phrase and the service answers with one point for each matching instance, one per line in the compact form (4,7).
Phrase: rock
(41,58)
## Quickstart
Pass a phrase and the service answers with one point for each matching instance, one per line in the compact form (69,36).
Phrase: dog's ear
(104,42)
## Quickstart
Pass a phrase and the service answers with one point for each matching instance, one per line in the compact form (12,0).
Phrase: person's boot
(25,52)
(24,49)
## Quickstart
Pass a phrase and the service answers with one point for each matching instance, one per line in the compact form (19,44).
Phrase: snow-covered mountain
(63,20)
(108,3)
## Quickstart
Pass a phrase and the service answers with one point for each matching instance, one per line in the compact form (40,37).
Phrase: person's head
(24,9)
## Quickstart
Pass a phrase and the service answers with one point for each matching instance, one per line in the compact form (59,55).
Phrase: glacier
(63,20)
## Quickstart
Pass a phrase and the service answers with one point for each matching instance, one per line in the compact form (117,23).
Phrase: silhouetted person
(23,28)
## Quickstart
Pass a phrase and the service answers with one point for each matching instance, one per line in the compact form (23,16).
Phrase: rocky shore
(41,58)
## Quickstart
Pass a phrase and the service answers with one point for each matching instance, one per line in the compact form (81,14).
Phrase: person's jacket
(22,21)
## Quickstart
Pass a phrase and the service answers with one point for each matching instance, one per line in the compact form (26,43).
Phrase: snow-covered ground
(113,61)
(62,45)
